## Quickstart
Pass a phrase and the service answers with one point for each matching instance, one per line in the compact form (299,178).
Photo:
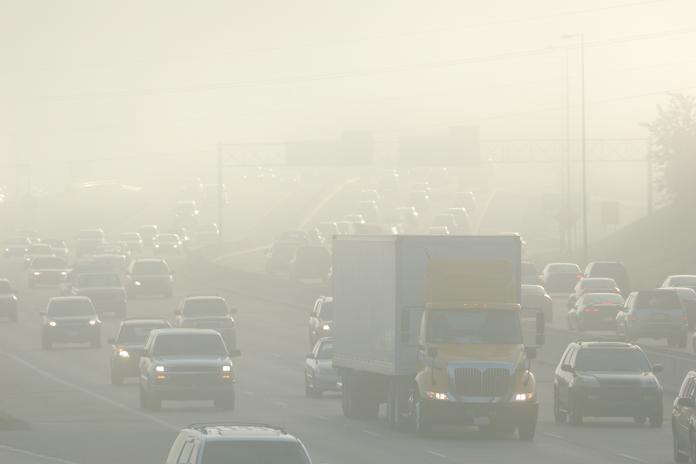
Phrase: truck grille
(473,381)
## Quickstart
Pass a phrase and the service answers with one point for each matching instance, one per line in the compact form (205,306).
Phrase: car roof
(601,344)
(69,298)
(241,432)
(203,297)
(673,276)
(181,331)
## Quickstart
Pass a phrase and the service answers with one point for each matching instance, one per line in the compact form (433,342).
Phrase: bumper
(481,414)
(204,391)
(598,322)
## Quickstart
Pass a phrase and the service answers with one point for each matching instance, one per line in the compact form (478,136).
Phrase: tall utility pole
(220,193)
(583,151)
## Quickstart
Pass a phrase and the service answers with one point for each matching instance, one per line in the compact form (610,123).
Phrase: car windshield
(254,452)
(683,281)
(49,262)
(196,307)
(189,344)
(98,280)
(41,249)
(5,287)
(611,360)
(137,334)
(68,308)
(658,300)
(448,326)
(603,298)
(151,267)
(325,351)
(326,312)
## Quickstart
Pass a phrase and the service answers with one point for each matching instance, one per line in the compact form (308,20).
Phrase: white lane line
(553,435)
(34,455)
(94,395)
(631,458)
(372,434)
(435,453)
(247,393)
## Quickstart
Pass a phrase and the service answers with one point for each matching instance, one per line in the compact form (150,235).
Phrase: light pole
(583,150)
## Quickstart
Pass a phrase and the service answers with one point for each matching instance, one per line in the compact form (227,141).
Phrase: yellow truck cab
(432,327)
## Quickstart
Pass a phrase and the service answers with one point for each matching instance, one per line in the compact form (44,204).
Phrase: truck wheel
(422,422)
(526,430)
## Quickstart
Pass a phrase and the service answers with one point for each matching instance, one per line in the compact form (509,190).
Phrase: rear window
(68,308)
(189,344)
(685,281)
(603,298)
(598,283)
(657,300)
(564,268)
(254,452)
(151,267)
(607,270)
(205,307)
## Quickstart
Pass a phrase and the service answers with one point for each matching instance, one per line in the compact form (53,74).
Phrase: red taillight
(588,309)
(684,318)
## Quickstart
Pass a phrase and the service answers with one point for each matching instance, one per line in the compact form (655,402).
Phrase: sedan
(595,311)
(320,375)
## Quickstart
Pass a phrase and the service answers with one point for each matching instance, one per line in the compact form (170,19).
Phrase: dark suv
(149,276)
(70,319)
(654,314)
(208,312)
(186,364)
(128,345)
(684,421)
(243,443)
(606,379)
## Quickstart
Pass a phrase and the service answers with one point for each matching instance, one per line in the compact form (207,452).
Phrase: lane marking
(32,454)
(94,395)
(435,453)
(553,435)
(372,434)
(631,458)
(281,404)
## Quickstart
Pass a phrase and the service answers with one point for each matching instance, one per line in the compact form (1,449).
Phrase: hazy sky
(92,78)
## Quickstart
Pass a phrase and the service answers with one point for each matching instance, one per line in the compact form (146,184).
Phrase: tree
(673,148)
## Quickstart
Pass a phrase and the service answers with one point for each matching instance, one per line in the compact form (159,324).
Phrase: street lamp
(583,151)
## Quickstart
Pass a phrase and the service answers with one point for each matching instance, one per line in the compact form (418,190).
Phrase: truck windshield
(474,326)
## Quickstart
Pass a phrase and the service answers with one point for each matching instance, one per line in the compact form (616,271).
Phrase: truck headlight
(159,368)
(123,353)
(52,323)
(227,368)
(437,396)
(523,396)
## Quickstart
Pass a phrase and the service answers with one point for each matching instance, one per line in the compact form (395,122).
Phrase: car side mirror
(657,368)
(111,341)
(686,402)
(235,353)
(568,368)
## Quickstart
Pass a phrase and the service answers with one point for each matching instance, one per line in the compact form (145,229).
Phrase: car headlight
(63,273)
(36,273)
(227,368)
(523,396)
(52,323)
(92,322)
(157,246)
(159,368)
(586,381)
(137,283)
(437,396)
(123,354)
(326,327)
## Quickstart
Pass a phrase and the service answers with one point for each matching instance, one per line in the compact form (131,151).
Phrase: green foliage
(673,148)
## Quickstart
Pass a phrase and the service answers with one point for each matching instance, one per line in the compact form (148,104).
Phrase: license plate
(482,421)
